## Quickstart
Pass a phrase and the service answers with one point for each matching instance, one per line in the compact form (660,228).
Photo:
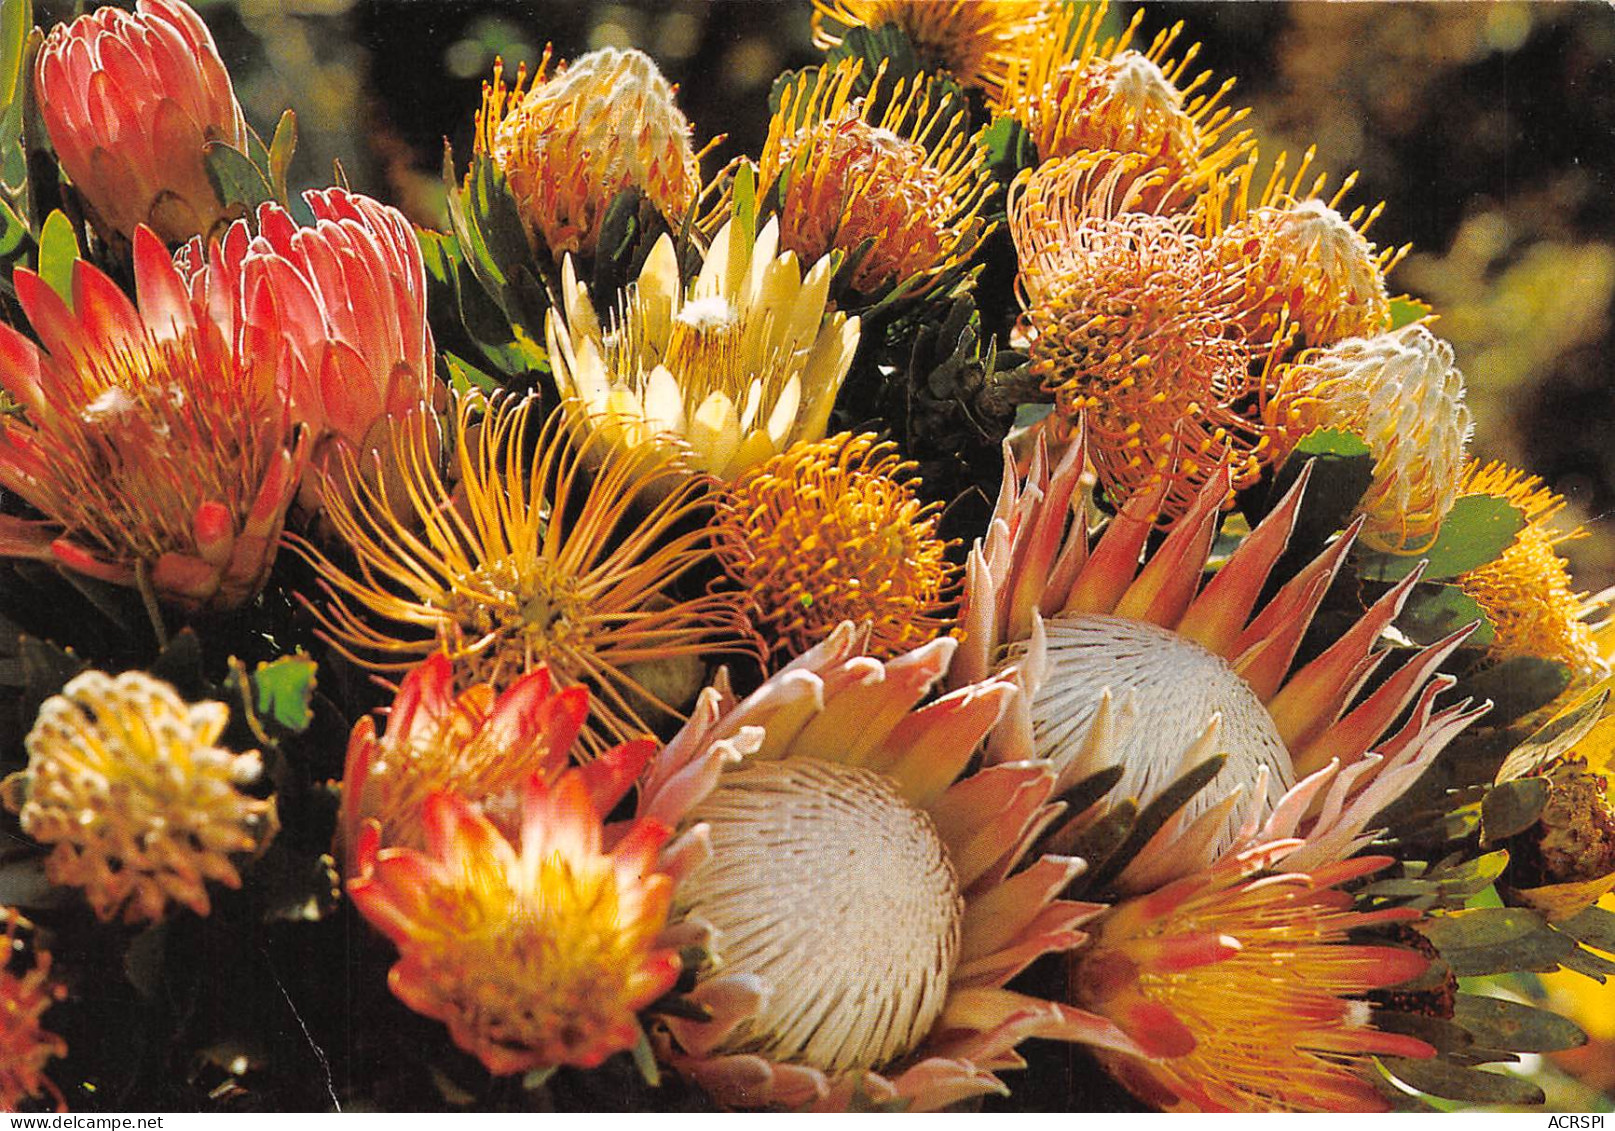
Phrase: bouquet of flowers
(985,600)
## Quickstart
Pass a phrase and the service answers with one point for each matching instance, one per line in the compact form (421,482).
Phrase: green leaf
(234,177)
(1343,469)
(1517,686)
(887,44)
(1156,814)
(1502,1024)
(1405,310)
(1454,1082)
(1513,807)
(645,1061)
(58,248)
(13,232)
(16,21)
(1589,965)
(1435,611)
(1100,840)
(1009,148)
(281,149)
(1475,531)
(284,689)
(745,194)
(1593,927)
(1555,738)
(1497,940)
(464,376)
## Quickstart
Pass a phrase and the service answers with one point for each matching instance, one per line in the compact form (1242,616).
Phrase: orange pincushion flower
(26,992)
(131,101)
(1130,318)
(156,453)
(907,178)
(1245,991)
(974,40)
(573,140)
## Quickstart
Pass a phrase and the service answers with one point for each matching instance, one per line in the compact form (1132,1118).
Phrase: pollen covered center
(824,882)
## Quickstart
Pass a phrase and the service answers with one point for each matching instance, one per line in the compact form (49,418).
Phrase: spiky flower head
(131,100)
(1402,393)
(142,808)
(26,992)
(1246,990)
(1314,277)
(865,899)
(533,943)
(725,374)
(156,453)
(1526,592)
(1072,92)
(526,559)
(973,40)
(1131,320)
(573,140)
(894,167)
(833,531)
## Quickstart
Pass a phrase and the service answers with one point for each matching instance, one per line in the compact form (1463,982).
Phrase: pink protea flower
(339,309)
(148,444)
(131,101)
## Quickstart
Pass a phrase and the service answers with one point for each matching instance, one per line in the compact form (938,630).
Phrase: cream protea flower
(1527,592)
(973,40)
(893,170)
(1073,92)
(864,899)
(142,808)
(573,140)
(526,560)
(535,945)
(738,367)
(832,531)
(131,101)
(1131,319)
(157,454)
(339,310)
(1201,673)
(26,992)
(1403,395)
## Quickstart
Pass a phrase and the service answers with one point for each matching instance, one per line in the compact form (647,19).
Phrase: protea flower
(131,101)
(573,140)
(155,452)
(528,559)
(1072,92)
(738,367)
(865,899)
(26,992)
(1132,320)
(893,170)
(338,309)
(1403,395)
(973,40)
(1086,625)
(142,807)
(1527,592)
(833,531)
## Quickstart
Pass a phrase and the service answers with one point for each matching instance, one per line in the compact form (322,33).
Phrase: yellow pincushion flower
(575,139)
(26,992)
(142,808)
(974,40)
(725,374)
(833,531)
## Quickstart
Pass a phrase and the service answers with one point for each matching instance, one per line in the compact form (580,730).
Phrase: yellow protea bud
(973,40)
(833,531)
(573,140)
(125,781)
(1403,394)
(1526,591)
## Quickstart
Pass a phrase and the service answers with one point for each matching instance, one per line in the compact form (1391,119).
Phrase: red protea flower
(339,309)
(150,446)
(131,101)
(26,992)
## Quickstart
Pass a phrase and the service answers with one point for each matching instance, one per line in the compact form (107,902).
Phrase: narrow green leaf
(1499,1023)
(284,689)
(1589,964)
(1513,807)
(1594,927)
(234,177)
(1406,310)
(13,232)
(281,149)
(1555,738)
(16,21)
(1100,840)
(1486,926)
(464,376)
(58,248)
(1152,816)
(1453,1082)
(745,219)
(1435,611)
(1475,531)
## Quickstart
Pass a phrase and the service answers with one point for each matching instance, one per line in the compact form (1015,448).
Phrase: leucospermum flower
(1073,92)
(26,992)
(727,373)
(155,452)
(573,140)
(131,100)
(973,40)
(1085,625)
(526,560)
(1131,323)
(833,532)
(892,167)
(1526,592)
(338,309)
(142,808)
(865,899)
(1402,393)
